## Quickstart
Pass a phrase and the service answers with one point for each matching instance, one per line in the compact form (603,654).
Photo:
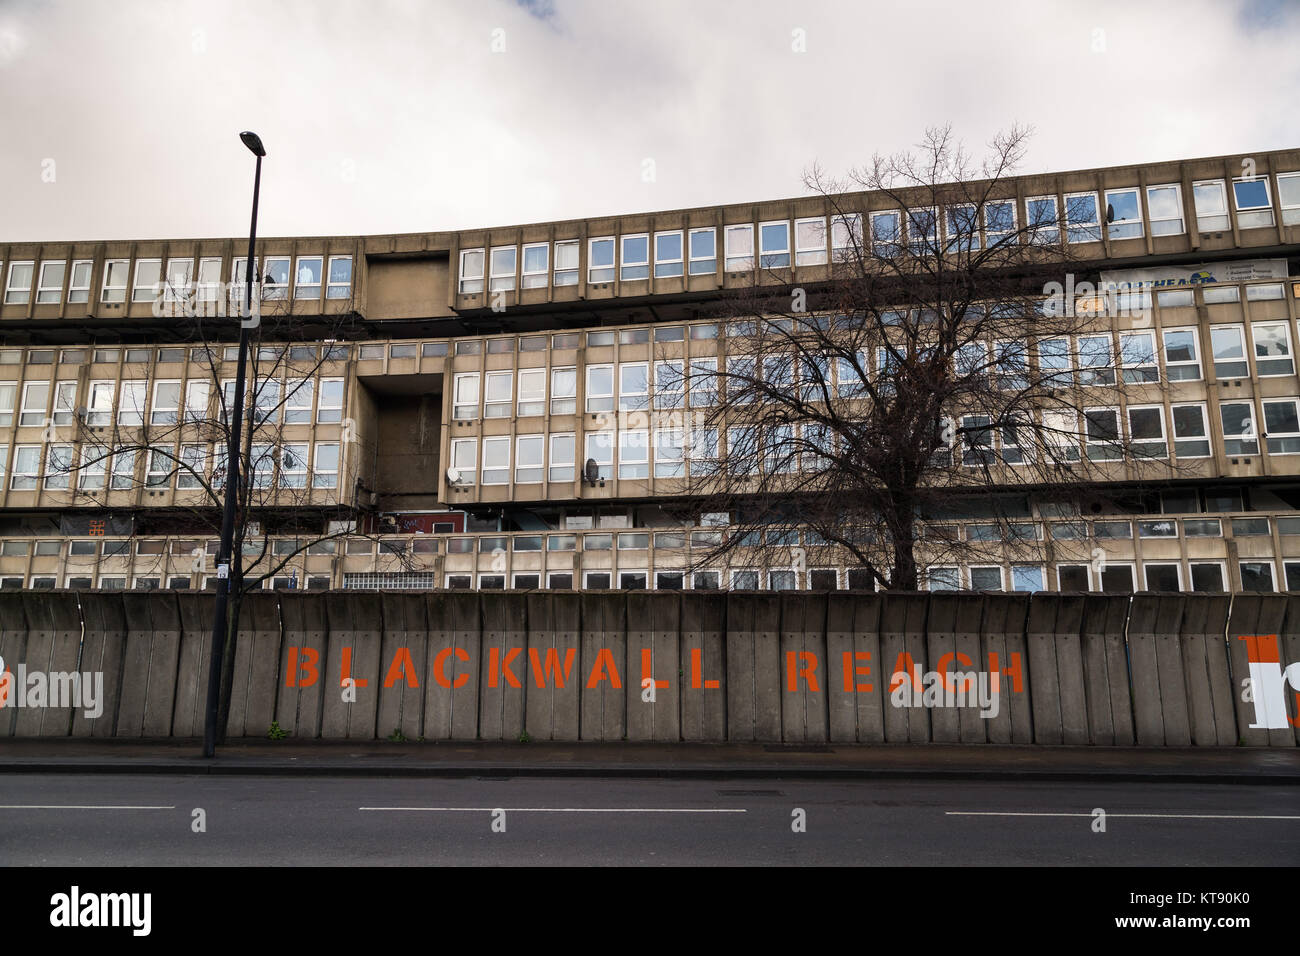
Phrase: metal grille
(391,581)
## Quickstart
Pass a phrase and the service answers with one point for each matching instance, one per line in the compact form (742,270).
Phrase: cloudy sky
(120,119)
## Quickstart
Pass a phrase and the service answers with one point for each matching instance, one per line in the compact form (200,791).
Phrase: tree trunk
(903,529)
(228,666)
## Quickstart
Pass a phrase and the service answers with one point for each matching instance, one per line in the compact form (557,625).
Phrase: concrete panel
(402,659)
(140,665)
(1213,722)
(949,614)
(805,668)
(103,648)
(164,663)
(303,664)
(1289,652)
(1003,635)
(754,667)
(257,665)
(703,662)
(1254,615)
(450,682)
(1044,669)
(902,647)
(554,624)
(56,614)
(654,633)
(501,705)
(190,708)
(1105,669)
(603,662)
(355,620)
(14,722)
(856,686)
(1172,698)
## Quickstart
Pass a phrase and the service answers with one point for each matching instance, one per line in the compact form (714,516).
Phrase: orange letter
(604,669)
(552,668)
(497,666)
(945,662)
(808,673)
(696,669)
(905,666)
(1013,671)
(648,667)
(440,665)
(402,666)
(347,671)
(310,657)
(850,671)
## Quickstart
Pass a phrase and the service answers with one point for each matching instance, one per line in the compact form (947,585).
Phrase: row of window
(203,354)
(781,243)
(306,277)
(1115,577)
(128,403)
(284,465)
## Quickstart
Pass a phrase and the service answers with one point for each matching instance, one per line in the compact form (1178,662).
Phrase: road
(91,820)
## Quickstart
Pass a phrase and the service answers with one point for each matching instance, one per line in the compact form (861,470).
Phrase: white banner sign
(1167,276)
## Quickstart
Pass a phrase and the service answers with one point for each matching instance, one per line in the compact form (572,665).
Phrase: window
(669,385)
(50,288)
(1054,363)
(564,390)
(298,400)
(65,402)
(504,260)
(703,383)
(166,403)
(36,400)
(943,579)
(740,247)
(536,265)
(774,245)
(1117,578)
(123,471)
(600,449)
(600,259)
(340,278)
(191,467)
(1072,577)
(266,400)
(1146,427)
(1288,197)
(923,230)
(1163,577)
(1124,214)
(116,273)
(496,394)
(1282,425)
(465,396)
(1095,360)
(999,222)
(1207,576)
(633,454)
(635,257)
(846,237)
(464,459)
(566,262)
(1256,575)
(1042,220)
(18,289)
(1239,435)
(600,388)
(79,287)
(961,228)
(90,476)
(1026,577)
(293,465)
(669,453)
(1254,206)
(148,277)
(562,453)
(1165,207)
(275,277)
(532,392)
(704,252)
(329,409)
(1211,206)
(633,386)
(471,271)
(1272,348)
(308,283)
(810,242)
(885,234)
(1138,354)
(1081,220)
(1102,433)
(58,466)
(1191,435)
(529,463)
(1227,344)
(496,461)
(1182,363)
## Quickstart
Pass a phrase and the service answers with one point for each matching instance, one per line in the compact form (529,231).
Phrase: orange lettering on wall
(604,669)
(808,671)
(347,671)
(697,671)
(945,662)
(902,667)
(851,672)
(1014,671)
(498,667)
(440,667)
(648,668)
(552,668)
(302,672)
(402,667)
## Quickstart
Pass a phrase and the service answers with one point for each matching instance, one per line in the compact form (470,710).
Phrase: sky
(119,119)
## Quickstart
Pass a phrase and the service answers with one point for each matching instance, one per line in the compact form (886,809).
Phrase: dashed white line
(66,807)
(1134,816)
(559,809)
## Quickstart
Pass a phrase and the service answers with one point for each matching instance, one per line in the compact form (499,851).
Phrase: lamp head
(253,142)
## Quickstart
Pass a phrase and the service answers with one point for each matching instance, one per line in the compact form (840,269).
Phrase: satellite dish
(453,475)
(591,471)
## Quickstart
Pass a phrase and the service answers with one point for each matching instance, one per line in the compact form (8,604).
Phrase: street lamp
(228,564)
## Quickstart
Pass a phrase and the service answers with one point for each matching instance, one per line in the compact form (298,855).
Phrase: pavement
(1229,765)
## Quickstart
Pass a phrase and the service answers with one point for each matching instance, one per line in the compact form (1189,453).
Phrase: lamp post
(227,563)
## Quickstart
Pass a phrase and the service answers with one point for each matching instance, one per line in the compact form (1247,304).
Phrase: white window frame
(810,252)
(338,290)
(1225,215)
(736,260)
(1253,217)
(57,457)
(122,475)
(707,265)
(1194,362)
(1290,211)
(667,464)
(498,407)
(1090,230)
(458,451)
(669,268)
(162,414)
(920,245)
(47,294)
(633,401)
(1142,453)
(1203,437)
(564,400)
(31,415)
(501,278)
(79,289)
(846,237)
(1047,233)
(771,259)
(1289,357)
(493,445)
(307,290)
(536,443)
(602,442)
(191,461)
(470,282)
(1271,436)
(92,472)
(331,413)
(25,475)
(1157,222)
(633,270)
(149,292)
(531,397)
(1246,441)
(566,274)
(1124,226)
(600,401)
(534,278)
(15,295)
(299,400)
(465,408)
(560,464)
(111,290)
(634,454)
(604,273)
(1244,360)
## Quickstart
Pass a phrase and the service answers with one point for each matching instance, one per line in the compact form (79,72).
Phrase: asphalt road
(91,820)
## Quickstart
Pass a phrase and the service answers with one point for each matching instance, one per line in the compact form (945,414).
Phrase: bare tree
(948,356)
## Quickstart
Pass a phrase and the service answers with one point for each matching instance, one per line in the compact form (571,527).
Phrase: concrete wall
(791,667)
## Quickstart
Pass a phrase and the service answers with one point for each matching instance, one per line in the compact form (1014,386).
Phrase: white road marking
(52,807)
(556,809)
(1135,816)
